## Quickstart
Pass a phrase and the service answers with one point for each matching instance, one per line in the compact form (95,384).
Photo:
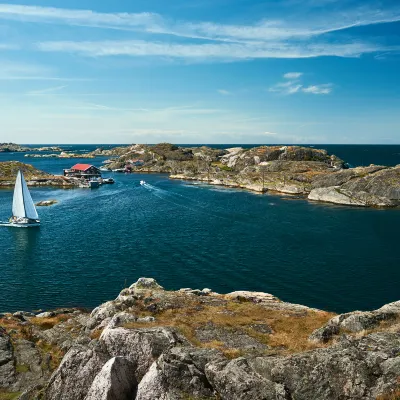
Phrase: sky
(200,71)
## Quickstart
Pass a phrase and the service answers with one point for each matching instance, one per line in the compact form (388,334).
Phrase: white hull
(9,224)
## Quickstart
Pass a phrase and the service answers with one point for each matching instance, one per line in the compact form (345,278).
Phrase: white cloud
(293,89)
(270,133)
(292,75)
(318,89)
(296,86)
(296,36)
(216,51)
(224,92)
(263,30)
(46,91)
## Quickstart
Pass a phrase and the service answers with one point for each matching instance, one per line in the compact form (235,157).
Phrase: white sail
(23,206)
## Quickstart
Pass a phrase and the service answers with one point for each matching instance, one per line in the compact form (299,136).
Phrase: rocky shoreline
(154,344)
(304,171)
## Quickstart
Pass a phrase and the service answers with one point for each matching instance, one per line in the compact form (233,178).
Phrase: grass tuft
(48,323)
(22,368)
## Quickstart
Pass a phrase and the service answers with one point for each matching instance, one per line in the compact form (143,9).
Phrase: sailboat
(23,209)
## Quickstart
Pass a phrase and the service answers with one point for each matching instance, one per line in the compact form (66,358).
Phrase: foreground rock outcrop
(153,344)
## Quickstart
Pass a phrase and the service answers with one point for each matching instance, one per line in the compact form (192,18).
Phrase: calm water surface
(95,242)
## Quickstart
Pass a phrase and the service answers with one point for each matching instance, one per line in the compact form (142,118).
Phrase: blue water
(95,242)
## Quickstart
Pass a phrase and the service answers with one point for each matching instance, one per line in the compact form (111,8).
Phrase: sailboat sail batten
(23,206)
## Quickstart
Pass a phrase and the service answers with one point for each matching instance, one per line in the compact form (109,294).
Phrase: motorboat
(142,182)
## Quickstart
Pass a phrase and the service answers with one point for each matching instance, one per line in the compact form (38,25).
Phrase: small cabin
(85,171)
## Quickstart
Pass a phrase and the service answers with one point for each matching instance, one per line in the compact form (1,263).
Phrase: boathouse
(85,171)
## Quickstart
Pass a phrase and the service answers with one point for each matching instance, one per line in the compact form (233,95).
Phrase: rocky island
(16,148)
(33,176)
(304,171)
(153,344)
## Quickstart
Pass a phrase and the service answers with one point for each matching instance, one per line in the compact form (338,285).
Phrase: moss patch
(22,368)
(8,395)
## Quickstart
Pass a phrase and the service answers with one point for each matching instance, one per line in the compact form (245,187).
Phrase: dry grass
(48,323)
(390,396)
(290,329)
(96,334)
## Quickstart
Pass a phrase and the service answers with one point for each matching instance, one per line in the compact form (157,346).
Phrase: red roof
(82,167)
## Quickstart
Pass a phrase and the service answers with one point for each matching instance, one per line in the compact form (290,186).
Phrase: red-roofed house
(86,171)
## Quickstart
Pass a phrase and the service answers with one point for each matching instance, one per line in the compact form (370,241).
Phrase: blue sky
(200,71)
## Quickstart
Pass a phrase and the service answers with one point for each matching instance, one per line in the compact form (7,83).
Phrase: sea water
(95,242)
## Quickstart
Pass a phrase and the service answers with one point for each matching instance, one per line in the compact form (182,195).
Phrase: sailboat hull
(14,225)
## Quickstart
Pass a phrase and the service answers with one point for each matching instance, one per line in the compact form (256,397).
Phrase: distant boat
(142,182)
(23,208)
(108,180)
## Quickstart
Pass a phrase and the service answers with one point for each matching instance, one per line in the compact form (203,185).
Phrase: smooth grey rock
(141,346)
(146,284)
(23,315)
(324,334)
(105,310)
(178,373)
(153,385)
(350,369)
(75,375)
(237,380)
(390,308)
(147,319)
(7,368)
(195,292)
(267,300)
(355,321)
(341,195)
(231,338)
(46,314)
(26,354)
(120,319)
(115,381)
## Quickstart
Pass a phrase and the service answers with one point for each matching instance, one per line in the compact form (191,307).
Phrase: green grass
(21,368)
(8,395)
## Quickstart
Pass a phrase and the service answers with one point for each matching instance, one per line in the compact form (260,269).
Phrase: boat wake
(173,197)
